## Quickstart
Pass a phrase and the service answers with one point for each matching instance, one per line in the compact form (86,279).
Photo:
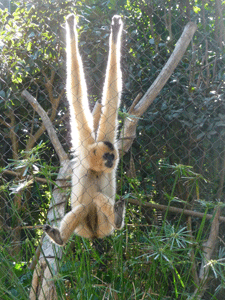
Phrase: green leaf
(196,9)
(29,46)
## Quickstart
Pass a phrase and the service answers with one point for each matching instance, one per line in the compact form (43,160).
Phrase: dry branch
(18,174)
(175,210)
(54,103)
(130,124)
(42,284)
(210,244)
(48,125)
(219,9)
(208,250)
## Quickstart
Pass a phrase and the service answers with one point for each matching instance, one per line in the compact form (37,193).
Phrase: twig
(175,210)
(135,102)
(222,28)
(167,70)
(36,256)
(17,174)
(208,249)
(48,125)
(192,253)
(3,122)
(28,227)
(210,244)
(130,124)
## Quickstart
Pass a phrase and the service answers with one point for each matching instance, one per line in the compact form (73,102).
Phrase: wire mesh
(178,155)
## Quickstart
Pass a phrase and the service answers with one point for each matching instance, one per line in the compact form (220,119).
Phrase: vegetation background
(177,159)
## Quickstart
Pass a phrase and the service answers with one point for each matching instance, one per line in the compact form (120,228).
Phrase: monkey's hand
(71,21)
(119,211)
(54,234)
(102,157)
(116,26)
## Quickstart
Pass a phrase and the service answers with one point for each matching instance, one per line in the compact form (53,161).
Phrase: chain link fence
(171,174)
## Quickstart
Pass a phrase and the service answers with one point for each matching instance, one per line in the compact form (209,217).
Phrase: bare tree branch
(12,134)
(54,102)
(36,256)
(194,269)
(175,210)
(42,283)
(210,244)
(208,249)
(221,24)
(3,122)
(48,125)
(130,124)
(18,174)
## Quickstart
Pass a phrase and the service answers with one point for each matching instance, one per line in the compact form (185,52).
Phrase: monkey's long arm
(113,85)
(81,117)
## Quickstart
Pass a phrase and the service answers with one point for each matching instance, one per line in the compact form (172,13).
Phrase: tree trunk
(43,286)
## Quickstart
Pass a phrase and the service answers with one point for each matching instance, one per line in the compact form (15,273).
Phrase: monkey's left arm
(103,155)
(113,86)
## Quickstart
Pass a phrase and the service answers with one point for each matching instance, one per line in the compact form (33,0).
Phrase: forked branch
(129,128)
(48,125)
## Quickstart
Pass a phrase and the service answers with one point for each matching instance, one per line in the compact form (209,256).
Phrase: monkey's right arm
(81,117)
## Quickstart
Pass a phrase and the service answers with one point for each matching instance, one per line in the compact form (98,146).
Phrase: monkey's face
(103,157)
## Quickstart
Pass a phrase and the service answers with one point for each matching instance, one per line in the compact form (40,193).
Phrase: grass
(139,262)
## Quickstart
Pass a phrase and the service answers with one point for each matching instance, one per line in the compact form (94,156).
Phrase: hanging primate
(94,213)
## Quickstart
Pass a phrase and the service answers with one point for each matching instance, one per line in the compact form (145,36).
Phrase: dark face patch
(110,159)
(109,145)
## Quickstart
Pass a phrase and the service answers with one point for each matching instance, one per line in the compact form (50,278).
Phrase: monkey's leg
(113,86)
(76,87)
(113,214)
(67,226)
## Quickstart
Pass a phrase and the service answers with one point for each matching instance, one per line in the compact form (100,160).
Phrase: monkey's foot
(54,234)
(119,210)
(102,157)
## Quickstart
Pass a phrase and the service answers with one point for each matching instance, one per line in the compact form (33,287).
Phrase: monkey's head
(103,157)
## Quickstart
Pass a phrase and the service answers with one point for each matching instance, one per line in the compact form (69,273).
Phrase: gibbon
(94,213)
